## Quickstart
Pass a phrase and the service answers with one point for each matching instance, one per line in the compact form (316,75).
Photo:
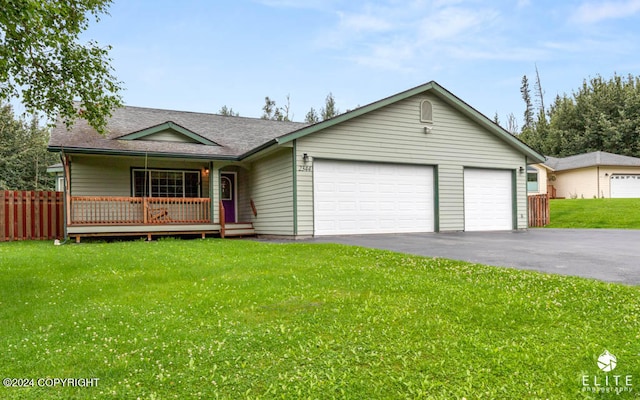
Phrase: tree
(228,112)
(284,111)
(603,115)
(312,116)
(275,113)
(23,153)
(540,94)
(268,108)
(329,110)
(528,111)
(43,65)
(512,124)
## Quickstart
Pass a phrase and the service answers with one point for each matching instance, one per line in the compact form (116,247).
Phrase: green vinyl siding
(111,175)
(395,134)
(169,135)
(270,183)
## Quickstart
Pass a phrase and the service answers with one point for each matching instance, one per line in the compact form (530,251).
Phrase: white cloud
(392,56)
(598,11)
(405,36)
(305,4)
(454,23)
(364,23)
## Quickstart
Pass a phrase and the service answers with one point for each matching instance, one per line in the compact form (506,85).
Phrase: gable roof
(216,136)
(168,126)
(592,159)
(437,90)
(234,137)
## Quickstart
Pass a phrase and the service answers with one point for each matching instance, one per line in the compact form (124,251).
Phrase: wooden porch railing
(108,210)
(538,210)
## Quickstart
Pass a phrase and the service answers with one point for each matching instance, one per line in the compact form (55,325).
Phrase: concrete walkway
(608,255)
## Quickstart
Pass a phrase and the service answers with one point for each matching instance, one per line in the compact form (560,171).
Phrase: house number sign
(305,168)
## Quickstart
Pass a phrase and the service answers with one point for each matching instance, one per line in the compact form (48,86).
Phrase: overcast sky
(200,55)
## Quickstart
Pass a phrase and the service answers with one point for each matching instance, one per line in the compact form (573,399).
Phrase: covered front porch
(166,197)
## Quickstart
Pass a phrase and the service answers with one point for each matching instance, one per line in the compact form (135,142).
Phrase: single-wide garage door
(488,203)
(353,197)
(625,186)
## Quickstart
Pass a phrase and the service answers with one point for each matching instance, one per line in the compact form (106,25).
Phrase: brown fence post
(3,217)
(538,210)
(222,221)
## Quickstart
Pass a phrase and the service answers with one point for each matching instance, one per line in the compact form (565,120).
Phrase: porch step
(239,229)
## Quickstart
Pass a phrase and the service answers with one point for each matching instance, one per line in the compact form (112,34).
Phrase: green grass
(240,319)
(595,213)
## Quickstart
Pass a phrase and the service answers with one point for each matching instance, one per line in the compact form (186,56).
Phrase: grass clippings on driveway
(240,319)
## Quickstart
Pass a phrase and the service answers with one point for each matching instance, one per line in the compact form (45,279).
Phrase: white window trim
(148,172)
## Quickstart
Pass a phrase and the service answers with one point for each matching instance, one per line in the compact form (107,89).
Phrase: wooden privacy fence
(538,210)
(31,215)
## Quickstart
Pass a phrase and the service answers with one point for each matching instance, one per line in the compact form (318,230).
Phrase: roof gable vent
(426,111)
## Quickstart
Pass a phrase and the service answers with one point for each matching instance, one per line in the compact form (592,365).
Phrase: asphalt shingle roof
(235,135)
(590,160)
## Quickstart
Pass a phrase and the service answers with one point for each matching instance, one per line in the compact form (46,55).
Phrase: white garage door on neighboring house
(352,197)
(488,200)
(625,186)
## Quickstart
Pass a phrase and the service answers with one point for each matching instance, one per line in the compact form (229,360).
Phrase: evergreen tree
(312,116)
(268,109)
(228,112)
(329,110)
(603,115)
(528,111)
(23,153)
(275,113)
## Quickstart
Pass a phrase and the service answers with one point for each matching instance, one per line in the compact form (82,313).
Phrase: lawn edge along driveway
(609,255)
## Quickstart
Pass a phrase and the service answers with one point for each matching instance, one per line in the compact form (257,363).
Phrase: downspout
(295,188)
(598,181)
(526,192)
(65,197)
(212,211)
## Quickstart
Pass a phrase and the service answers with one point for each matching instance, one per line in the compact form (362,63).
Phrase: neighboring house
(419,161)
(596,174)
(57,170)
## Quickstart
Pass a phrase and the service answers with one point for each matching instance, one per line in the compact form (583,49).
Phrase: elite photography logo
(607,383)
(607,361)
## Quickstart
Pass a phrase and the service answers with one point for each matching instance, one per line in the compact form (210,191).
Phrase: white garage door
(359,197)
(488,204)
(625,186)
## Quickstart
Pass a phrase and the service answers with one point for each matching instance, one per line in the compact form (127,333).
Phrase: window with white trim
(532,181)
(166,183)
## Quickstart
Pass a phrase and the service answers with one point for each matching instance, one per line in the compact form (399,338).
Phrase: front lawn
(595,213)
(241,319)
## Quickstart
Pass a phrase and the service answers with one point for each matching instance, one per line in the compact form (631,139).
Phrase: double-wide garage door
(353,197)
(625,186)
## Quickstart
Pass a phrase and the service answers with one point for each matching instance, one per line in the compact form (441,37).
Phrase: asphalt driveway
(608,255)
